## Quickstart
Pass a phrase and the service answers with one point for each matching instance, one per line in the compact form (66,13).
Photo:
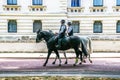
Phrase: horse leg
(58,56)
(90,49)
(81,57)
(65,57)
(49,53)
(90,59)
(84,59)
(84,49)
(55,60)
(77,55)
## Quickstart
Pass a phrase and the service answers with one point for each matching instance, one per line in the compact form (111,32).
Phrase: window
(75,25)
(75,3)
(97,2)
(118,2)
(37,25)
(118,27)
(97,27)
(11,2)
(37,2)
(12,26)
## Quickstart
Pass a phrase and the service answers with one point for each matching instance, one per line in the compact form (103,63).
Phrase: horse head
(43,34)
(39,36)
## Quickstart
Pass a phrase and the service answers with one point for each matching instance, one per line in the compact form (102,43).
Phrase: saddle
(63,40)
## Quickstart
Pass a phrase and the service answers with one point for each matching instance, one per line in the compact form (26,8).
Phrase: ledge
(102,7)
(117,7)
(75,9)
(37,6)
(13,6)
(97,9)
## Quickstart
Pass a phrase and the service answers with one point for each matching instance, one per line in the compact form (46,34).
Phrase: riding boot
(59,44)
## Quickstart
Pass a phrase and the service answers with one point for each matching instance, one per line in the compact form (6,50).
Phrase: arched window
(97,2)
(118,27)
(37,25)
(37,2)
(118,2)
(12,26)
(97,27)
(11,2)
(75,25)
(75,3)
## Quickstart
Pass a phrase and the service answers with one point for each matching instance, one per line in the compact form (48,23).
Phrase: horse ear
(50,31)
(38,31)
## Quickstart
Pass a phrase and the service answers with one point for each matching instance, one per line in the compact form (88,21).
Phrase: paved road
(108,67)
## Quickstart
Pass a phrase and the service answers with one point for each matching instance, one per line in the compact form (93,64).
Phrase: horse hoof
(74,64)
(53,63)
(65,62)
(91,62)
(80,63)
(84,61)
(44,65)
(59,64)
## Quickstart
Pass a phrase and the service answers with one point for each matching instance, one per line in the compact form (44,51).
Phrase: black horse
(69,42)
(87,43)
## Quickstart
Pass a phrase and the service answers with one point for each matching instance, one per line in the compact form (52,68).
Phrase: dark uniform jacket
(62,31)
(70,31)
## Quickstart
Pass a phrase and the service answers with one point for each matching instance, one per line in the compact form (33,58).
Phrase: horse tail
(84,49)
(90,45)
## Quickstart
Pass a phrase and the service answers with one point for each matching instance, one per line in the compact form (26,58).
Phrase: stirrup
(58,46)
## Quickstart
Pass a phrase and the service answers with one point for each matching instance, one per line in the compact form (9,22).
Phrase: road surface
(101,67)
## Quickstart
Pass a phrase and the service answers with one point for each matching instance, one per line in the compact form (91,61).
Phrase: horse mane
(50,33)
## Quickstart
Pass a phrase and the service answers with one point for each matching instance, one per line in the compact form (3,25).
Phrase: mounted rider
(70,29)
(61,34)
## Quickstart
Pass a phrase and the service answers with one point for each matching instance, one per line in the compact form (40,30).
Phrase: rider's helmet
(62,21)
(69,23)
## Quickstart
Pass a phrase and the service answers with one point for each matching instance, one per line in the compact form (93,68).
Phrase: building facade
(89,17)
(19,20)
(24,17)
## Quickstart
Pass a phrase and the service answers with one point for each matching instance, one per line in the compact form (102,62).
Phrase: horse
(73,42)
(87,42)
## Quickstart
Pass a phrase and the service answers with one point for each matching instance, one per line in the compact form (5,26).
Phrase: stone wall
(28,45)
(106,45)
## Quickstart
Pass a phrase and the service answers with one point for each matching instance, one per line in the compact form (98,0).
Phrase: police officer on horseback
(70,29)
(61,34)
